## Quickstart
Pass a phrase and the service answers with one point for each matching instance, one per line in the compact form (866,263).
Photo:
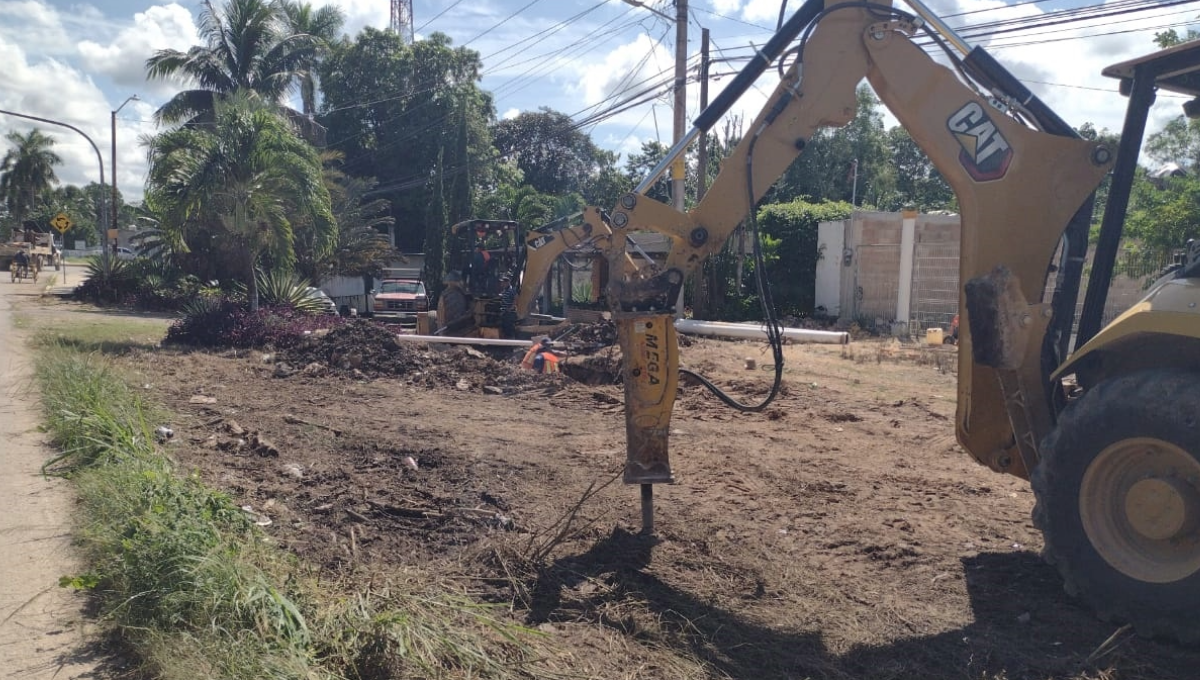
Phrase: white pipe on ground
(451,340)
(758,332)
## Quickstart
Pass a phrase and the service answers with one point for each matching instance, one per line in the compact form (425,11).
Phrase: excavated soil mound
(365,349)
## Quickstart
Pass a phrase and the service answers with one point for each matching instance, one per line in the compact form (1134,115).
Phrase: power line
(437,16)
(503,21)
(548,31)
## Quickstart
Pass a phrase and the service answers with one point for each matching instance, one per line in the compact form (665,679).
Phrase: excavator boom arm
(544,245)
(1017,187)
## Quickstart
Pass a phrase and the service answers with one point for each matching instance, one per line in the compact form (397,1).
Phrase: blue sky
(77,60)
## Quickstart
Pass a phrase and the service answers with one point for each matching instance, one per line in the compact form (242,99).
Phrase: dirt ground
(42,631)
(842,533)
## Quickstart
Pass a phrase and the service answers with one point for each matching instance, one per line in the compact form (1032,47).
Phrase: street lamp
(101,209)
(113,220)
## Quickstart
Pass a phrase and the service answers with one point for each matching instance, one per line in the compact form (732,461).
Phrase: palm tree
(248,174)
(362,247)
(323,25)
(26,172)
(247,49)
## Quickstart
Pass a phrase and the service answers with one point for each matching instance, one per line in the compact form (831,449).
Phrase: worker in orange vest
(539,357)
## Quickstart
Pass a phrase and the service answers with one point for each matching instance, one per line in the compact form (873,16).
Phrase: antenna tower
(402,19)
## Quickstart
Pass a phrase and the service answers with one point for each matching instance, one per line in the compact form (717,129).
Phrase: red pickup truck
(401,298)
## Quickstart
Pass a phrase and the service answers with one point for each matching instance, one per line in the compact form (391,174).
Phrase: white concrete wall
(831,240)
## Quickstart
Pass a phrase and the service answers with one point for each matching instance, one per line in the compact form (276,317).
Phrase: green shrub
(791,231)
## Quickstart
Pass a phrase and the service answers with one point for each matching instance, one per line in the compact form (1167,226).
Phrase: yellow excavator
(470,305)
(1104,422)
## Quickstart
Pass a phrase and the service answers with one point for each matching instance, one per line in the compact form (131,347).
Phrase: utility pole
(112,220)
(704,279)
(702,155)
(678,169)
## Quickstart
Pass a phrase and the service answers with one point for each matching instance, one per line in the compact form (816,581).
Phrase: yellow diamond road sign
(61,222)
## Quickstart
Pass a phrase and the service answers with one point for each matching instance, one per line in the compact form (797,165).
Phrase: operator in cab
(508,312)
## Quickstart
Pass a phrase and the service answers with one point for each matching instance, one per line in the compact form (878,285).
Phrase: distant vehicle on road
(328,306)
(401,298)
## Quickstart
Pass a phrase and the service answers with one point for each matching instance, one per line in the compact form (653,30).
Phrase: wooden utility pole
(678,170)
(679,167)
(702,155)
(705,280)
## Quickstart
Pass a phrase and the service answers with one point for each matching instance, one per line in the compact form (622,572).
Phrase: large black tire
(1126,431)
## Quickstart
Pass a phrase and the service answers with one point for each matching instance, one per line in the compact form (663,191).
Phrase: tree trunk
(253,288)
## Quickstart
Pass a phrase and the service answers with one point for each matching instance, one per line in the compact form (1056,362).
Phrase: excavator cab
(482,252)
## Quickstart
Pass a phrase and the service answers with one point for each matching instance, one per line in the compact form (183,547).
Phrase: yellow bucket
(934,336)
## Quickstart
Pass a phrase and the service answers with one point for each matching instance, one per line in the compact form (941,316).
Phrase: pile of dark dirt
(365,349)
(603,333)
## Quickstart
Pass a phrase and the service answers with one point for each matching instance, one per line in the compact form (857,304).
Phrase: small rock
(411,462)
(471,351)
(492,389)
(263,446)
(315,369)
(1024,618)
(202,399)
(232,427)
(257,517)
(462,384)
(164,433)
(293,470)
(210,443)
(268,358)
(282,370)
(358,375)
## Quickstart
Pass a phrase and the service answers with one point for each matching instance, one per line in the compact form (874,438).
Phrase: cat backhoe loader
(1109,435)
(470,305)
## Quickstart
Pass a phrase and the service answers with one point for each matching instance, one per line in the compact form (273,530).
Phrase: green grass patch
(197,591)
(97,331)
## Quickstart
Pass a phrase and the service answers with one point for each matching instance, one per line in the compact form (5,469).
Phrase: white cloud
(46,84)
(124,58)
(35,24)
(510,114)
(763,11)
(626,69)
(361,13)
(727,7)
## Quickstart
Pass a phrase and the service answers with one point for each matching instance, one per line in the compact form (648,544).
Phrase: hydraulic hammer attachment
(651,376)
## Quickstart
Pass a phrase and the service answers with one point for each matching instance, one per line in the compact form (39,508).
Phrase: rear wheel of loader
(1118,501)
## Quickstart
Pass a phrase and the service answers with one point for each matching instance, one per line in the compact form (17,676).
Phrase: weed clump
(195,590)
(229,323)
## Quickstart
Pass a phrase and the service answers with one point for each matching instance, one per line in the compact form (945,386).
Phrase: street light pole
(102,210)
(113,207)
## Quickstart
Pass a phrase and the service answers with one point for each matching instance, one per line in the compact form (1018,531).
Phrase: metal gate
(876,284)
(934,285)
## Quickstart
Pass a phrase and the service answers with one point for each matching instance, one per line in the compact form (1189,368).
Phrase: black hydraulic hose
(758,64)
(773,328)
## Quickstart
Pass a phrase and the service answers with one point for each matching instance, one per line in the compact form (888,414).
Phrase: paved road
(40,623)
